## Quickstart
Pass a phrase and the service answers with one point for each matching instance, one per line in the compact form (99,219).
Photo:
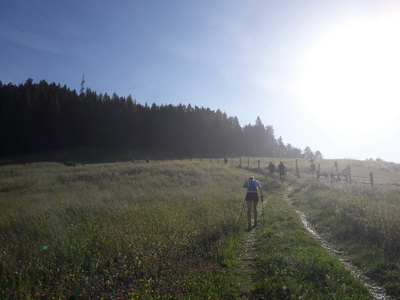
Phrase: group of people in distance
(254,187)
(281,169)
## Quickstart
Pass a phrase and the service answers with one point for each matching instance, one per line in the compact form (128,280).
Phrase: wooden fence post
(371,176)
(258,163)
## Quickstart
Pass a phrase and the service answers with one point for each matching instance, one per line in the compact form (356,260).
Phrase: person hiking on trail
(281,168)
(271,168)
(253,187)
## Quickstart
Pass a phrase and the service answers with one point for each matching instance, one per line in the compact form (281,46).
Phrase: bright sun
(351,78)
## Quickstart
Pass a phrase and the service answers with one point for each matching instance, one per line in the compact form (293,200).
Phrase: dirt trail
(375,290)
(247,266)
(248,255)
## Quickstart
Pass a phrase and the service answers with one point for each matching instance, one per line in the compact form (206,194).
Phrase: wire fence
(294,167)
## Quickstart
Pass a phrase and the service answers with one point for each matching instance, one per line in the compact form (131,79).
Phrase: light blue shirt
(252,185)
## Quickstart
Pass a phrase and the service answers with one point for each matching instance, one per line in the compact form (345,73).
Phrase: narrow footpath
(247,258)
(376,291)
(285,258)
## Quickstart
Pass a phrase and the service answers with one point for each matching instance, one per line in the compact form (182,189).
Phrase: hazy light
(350,79)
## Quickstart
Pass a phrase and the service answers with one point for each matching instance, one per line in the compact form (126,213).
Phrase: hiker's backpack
(252,186)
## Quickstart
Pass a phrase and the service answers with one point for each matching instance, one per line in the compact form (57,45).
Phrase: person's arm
(245,184)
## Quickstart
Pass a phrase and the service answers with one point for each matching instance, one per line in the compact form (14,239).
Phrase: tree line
(37,117)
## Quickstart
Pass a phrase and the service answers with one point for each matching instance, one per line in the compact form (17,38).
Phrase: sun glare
(351,79)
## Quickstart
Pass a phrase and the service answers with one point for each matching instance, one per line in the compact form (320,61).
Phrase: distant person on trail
(253,187)
(271,168)
(282,169)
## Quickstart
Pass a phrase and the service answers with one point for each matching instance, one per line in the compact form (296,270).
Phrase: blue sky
(324,74)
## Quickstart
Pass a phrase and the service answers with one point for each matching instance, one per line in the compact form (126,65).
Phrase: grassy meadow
(362,220)
(171,229)
(116,230)
(291,264)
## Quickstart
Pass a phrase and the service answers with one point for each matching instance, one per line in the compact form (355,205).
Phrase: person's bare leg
(255,212)
(249,212)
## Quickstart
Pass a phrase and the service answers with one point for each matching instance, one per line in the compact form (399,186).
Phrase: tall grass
(363,220)
(116,230)
(293,265)
(171,230)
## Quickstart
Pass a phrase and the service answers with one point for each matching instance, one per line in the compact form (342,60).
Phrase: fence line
(292,168)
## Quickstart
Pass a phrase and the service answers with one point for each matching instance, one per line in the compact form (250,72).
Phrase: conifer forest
(37,117)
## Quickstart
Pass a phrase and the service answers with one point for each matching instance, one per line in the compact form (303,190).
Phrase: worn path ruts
(247,258)
(375,290)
